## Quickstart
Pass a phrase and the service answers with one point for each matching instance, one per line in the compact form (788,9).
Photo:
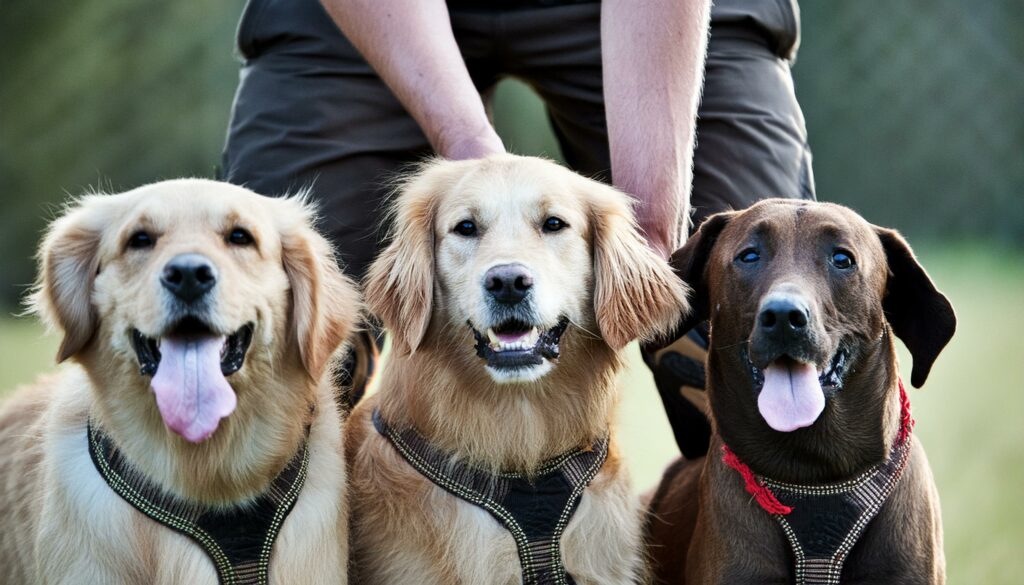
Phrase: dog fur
(61,522)
(704,527)
(425,285)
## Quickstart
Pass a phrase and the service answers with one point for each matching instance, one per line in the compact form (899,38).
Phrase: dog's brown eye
(554,224)
(749,256)
(140,240)
(842,259)
(465,228)
(240,237)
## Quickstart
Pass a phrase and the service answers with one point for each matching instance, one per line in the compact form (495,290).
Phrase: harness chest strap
(534,510)
(238,540)
(822,523)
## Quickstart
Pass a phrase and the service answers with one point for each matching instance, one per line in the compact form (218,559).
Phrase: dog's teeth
(526,342)
(531,338)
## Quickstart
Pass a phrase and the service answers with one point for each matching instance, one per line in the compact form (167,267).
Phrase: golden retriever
(200,317)
(489,263)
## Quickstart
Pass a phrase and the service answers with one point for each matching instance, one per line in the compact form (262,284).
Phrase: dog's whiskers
(731,345)
(584,329)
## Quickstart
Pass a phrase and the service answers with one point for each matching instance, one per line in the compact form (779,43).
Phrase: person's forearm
(653,55)
(410,44)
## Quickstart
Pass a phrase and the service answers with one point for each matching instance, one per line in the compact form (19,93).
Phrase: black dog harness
(238,540)
(535,510)
(822,523)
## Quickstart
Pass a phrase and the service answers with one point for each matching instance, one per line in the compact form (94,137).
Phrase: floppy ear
(68,262)
(690,264)
(399,285)
(325,303)
(919,314)
(636,296)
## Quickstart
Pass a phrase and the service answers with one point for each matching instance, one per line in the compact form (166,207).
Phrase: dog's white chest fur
(101,538)
(598,546)
(465,544)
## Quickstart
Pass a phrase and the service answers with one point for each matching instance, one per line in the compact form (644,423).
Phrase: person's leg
(557,51)
(751,138)
(310,114)
(751,144)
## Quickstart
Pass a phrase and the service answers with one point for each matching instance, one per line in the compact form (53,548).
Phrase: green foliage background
(105,94)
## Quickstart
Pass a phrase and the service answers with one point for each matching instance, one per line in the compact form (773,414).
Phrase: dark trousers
(311,113)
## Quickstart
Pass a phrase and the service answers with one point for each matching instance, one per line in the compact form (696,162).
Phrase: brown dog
(510,289)
(199,317)
(812,437)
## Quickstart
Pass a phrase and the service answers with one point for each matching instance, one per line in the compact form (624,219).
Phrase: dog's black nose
(783,316)
(189,276)
(508,283)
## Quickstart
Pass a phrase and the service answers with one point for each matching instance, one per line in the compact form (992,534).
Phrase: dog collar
(822,523)
(238,540)
(534,510)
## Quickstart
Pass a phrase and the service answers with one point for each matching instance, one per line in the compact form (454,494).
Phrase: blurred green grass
(25,351)
(969,415)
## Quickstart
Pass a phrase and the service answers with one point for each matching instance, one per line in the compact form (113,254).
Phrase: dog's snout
(508,284)
(189,276)
(786,323)
(783,317)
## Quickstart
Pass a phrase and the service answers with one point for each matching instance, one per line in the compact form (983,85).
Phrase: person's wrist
(471,145)
(658,235)
(660,247)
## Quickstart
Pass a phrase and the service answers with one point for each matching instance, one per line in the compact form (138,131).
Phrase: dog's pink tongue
(791,397)
(191,391)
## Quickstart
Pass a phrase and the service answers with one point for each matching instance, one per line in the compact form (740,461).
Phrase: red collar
(756,486)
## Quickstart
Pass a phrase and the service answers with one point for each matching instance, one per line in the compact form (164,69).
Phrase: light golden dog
(200,317)
(490,262)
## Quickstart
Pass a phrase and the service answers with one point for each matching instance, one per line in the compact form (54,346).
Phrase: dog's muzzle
(232,352)
(516,344)
(791,393)
(189,366)
(831,377)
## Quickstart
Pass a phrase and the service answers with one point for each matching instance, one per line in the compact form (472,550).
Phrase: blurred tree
(107,95)
(914,111)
